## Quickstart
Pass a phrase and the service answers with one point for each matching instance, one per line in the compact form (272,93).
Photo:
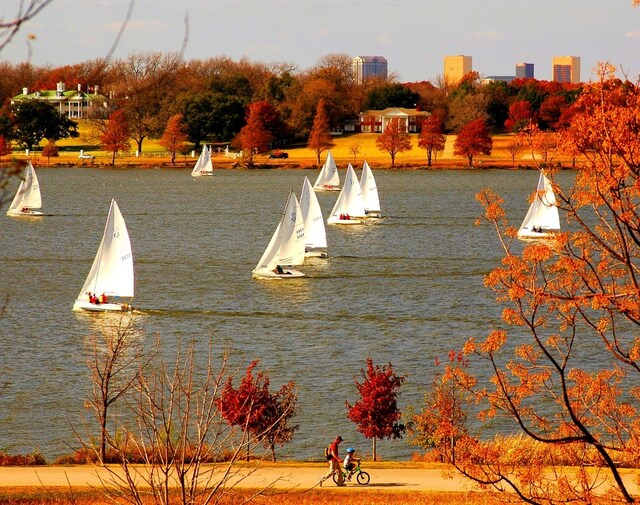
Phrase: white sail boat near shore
(315,235)
(28,199)
(349,207)
(328,178)
(369,191)
(111,274)
(542,219)
(203,165)
(286,247)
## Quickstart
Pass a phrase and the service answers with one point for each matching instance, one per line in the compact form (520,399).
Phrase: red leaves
(474,138)
(377,413)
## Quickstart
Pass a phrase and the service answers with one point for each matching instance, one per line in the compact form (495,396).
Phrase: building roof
(396,111)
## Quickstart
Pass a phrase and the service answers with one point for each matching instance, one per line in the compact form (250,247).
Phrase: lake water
(406,288)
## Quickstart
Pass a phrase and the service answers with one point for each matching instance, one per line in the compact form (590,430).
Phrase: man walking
(334,463)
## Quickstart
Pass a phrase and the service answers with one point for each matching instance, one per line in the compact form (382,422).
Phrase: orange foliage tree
(320,138)
(431,137)
(5,147)
(394,139)
(175,136)
(115,136)
(565,365)
(254,137)
(50,151)
(474,138)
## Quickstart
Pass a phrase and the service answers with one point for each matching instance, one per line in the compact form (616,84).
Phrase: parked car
(278,155)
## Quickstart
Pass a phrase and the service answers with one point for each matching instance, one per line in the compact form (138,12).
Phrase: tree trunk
(374,449)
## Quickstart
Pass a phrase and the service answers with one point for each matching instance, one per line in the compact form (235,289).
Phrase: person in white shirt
(350,462)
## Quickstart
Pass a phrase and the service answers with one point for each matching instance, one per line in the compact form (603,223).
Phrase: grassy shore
(154,155)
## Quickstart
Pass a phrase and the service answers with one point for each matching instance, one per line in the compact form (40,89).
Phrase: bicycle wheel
(363,478)
(335,477)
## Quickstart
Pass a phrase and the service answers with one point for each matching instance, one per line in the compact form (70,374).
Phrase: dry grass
(314,497)
(299,156)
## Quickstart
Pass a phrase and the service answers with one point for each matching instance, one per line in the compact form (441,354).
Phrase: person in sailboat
(103,298)
(92,297)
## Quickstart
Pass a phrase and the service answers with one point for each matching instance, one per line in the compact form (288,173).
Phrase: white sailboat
(286,246)
(28,198)
(369,191)
(542,218)
(111,274)
(328,178)
(203,165)
(315,235)
(349,208)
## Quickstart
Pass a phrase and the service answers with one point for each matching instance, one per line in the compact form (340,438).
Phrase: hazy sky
(414,35)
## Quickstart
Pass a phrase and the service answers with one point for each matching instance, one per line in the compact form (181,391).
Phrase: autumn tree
(520,114)
(320,138)
(252,406)
(376,412)
(566,360)
(431,137)
(474,138)
(172,425)
(50,151)
(5,147)
(394,139)
(174,137)
(254,137)
(115,137)
(443,418)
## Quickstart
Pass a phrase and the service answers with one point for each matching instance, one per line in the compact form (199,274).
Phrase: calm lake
(406,288)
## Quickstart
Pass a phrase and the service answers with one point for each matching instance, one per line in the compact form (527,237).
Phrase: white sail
(112,269)
(542,218)
(28,198)
(328,178)
(286,246)
(315,235)
(369,191)
(349,208)
(203,165)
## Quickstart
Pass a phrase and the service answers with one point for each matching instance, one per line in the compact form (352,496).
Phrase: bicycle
(361,476)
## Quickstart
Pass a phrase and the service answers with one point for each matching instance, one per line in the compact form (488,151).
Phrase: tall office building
(456,67)
(524,70)
(366,67)
(566,69)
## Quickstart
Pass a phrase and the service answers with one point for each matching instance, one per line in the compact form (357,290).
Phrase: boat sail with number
(286,247)
(315,235)
(369,191)
(111,274)
(28,198)
(203,165)
(542,219)
(328,178)
(349,208)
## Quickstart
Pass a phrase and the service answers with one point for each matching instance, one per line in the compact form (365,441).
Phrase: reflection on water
(405,288)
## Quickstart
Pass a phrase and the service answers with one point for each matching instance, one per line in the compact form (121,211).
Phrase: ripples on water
(405,289)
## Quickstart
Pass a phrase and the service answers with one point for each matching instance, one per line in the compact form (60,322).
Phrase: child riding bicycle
(350,462)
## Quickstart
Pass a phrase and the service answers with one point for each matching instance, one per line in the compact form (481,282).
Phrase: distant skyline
(413,35)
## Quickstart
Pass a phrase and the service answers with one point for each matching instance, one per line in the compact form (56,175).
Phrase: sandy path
(282,477)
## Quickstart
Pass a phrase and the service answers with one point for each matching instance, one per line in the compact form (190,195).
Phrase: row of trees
(213,96)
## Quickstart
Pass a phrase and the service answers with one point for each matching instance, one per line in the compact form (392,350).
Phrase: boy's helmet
(351,449)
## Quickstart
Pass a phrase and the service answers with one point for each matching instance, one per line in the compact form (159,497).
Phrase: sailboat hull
(289,273)
(337,220)
(83,305)
(315,254)
(326,188)
(532,235)
(27,213)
